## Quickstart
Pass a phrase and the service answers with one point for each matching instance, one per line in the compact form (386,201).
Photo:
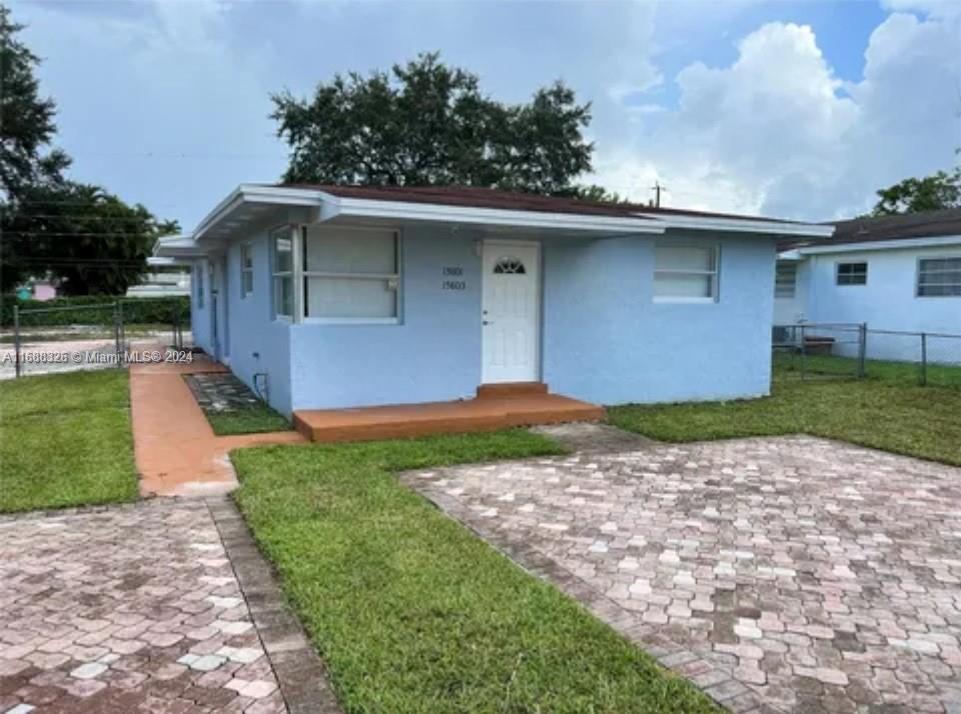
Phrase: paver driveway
(793,574)
(126,609)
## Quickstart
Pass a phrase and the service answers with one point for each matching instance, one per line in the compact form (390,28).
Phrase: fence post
(123,331)
(862,349)
(924,359)
(16,340)
(116,331)
(804,349)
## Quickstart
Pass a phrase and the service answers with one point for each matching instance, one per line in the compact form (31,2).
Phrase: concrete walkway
(176,451)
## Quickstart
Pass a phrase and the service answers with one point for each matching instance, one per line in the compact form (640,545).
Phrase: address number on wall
(449,271)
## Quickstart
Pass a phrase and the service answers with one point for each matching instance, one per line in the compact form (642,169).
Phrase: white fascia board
(334,206)
(250,193)
(892,244)
(790,255)
(739,225)
(177,247)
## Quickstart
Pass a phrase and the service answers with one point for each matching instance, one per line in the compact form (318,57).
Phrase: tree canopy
(79,235)
(425,123)
(938,191)
(87,240)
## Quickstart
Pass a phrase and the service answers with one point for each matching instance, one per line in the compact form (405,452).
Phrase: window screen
(939,277)
(785,279)
(685,272)
(351,274)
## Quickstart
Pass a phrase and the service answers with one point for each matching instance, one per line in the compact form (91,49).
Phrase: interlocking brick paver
(96,603)
(811,575)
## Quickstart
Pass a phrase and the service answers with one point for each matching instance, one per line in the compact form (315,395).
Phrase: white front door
(510,311)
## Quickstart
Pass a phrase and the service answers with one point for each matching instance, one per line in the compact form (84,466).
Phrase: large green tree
(26,119)
(425,123)
(81,236)
(915,195)
(87,240)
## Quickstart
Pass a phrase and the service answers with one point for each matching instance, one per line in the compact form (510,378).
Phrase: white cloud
(777,132)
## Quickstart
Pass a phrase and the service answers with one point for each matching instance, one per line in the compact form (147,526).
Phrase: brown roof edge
(929,224)
(480,197)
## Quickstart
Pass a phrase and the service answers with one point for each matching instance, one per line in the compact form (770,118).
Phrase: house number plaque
(451,273)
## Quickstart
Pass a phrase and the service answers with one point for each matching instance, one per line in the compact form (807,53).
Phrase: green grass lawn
(247,420)
(414,613)
(65,440)
(789,365)
(888,410)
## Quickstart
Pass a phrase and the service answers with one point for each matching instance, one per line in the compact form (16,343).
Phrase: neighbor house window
(685,273)
(351,275)
(282,272)
(199,285)
(785,279)
(246,269)
(939,277)
(852,274)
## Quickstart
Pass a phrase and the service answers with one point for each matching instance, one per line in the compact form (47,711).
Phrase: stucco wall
(887,302)
(432,354)
(604,338)
(258,343)
(607,341)
(200,316)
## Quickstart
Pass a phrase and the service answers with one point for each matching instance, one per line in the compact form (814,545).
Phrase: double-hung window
(685,273)
(246,269)
(852,274)
(939,277)
(785,279)
(351,275)
(282,271)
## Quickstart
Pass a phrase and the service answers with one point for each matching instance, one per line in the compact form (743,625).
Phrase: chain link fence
(824,351)
(66,338)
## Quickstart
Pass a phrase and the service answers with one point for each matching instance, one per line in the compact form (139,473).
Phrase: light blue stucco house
(897,273)
(329,297)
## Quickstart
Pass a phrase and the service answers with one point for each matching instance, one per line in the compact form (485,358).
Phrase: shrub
(135,310)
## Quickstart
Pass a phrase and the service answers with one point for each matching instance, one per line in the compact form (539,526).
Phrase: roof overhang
(170,250)
(251,202)
(891,244)
(743,225)
(337,209)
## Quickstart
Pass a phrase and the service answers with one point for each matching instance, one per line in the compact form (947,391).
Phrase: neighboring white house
(893,273)
(167,279)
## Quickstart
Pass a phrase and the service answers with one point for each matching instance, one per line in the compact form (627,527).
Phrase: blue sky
(799,109)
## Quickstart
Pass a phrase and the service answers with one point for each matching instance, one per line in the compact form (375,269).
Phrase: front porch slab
(485,413)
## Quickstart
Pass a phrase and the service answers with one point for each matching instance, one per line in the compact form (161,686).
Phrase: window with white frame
(685,273)
(351,275)
(852,273)
(199,285)
(939,277)
(282,271)
(246,269)
(785,279)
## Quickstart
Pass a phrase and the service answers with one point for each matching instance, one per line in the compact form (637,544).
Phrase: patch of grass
(65,440)
(412,612)
(890,412)
(247,420)
(791,365)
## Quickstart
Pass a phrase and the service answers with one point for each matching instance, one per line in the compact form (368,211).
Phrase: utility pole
(657,188)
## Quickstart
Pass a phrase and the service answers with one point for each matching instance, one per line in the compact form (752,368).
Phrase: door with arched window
(510,312)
